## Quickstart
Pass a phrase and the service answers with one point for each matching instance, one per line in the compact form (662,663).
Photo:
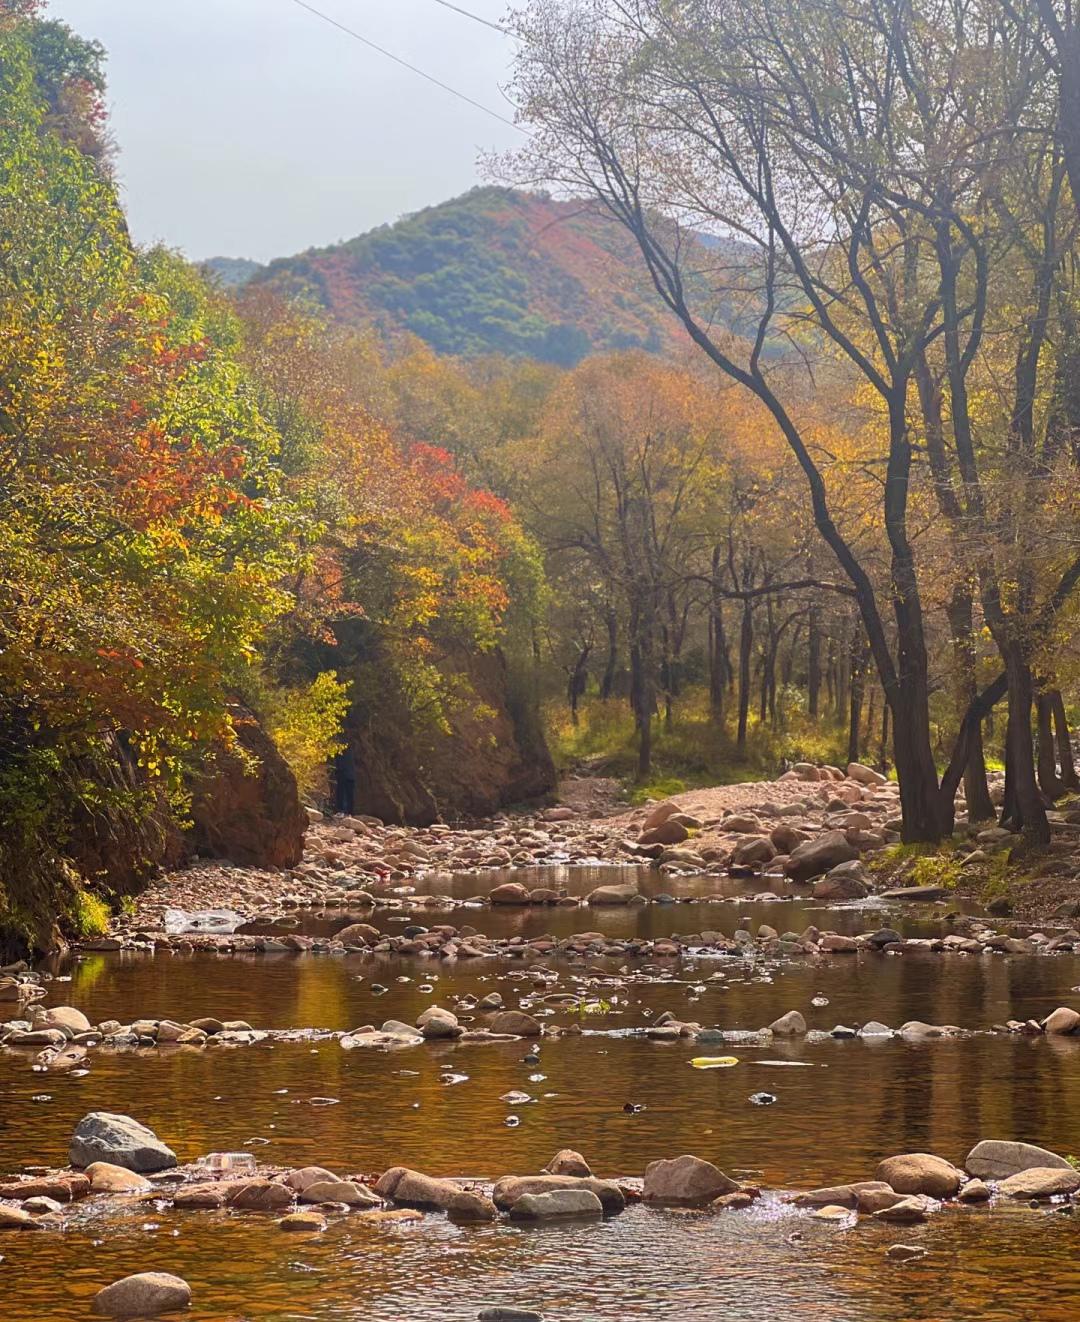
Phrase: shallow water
(841,1106)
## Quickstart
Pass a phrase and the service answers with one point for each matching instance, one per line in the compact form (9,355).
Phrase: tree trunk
(746,643)
(578,681)
(883,751)
(980,808)
(607,684)
(1069,777)
(1024,809)
(813,662)
(1046,767)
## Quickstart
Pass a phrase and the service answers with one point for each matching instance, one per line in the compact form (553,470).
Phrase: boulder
(1041,1182)
(845,882)
(119,1140)
(1062,1022)
(510,1188)
(670,832)
(998,1159)
(510,892)
(753,850)
(659,814)
(304,1176)
(974,1191)
(259,1195)
(612,895)
(147,1294)
(813,857)
(921,1173)
(741,824)
(515,1023)
(568,1162)
(106,1178)
(67,1017)
(786,837)
(358,934)
(685,1179)
(863,775)
(791,1024)
(339,1191)
(841,1195)
(403,1185)
(906,1211)
(557,1203)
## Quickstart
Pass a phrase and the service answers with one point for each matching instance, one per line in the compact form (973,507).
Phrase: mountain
(231,272)
(495,271)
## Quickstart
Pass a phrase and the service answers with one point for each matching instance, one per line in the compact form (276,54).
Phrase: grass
(694,751)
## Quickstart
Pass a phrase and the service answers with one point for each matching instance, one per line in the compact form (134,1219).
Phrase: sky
(251,128)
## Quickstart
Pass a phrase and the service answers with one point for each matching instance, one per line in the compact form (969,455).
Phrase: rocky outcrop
(245,805)
(492,755)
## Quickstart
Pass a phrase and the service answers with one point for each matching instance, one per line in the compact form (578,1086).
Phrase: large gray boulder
(119,1140)
(997,1159)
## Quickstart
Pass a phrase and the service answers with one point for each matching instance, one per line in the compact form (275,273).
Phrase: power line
(476,18)
(350,32)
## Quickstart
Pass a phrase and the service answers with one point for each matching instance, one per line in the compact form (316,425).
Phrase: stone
(904,1252)
(303,1222)
(557,1203)
(920,1173)
(786,837)
(403,1185)
(864,775)
(847,881)
(515,1023)
(791,1024)
(65,1016)
(974,1192)
(659,814)
(15,1218)
(907,1211)
(875,1029)
(508,1315)
(876,1199)
(612,895)
(106,1178)
(845,1195)
(62,1188)
(813,857)
(339,1191)
(685,1179)
(917,894)
(1062,1022)
(997,1159)
(147,1294)
(832,1212)
(358,934)
(510,892)
(832,943)
(119,1140)
(1041,1182)
(436,1023)
(753,850)
(259,1196)
(568,1162)
(510,1188)
(671,832)
(305,1176)
(741,824)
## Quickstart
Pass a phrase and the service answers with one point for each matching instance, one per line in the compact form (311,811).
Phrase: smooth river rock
(147,1294)
(686,1179)
(921,1173)
(997,1159)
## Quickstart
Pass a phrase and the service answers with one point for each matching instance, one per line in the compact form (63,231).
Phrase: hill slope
(494,271)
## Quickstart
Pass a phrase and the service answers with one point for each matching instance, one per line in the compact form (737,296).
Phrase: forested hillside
(211,532)
(499,271)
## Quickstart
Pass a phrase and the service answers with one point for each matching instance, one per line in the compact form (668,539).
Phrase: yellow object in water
(714,1062)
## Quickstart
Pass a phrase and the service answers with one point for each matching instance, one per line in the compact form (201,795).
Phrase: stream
(841,1105)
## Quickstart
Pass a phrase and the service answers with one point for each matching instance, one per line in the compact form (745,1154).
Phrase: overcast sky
(250,128)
